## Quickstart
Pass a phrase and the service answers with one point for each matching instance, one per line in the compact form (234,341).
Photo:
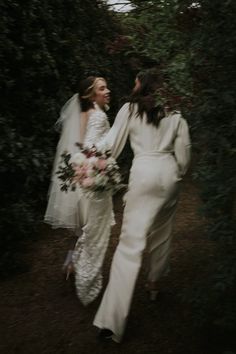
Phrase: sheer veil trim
(62,207)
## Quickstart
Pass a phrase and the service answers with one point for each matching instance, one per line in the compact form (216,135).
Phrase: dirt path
(40,312)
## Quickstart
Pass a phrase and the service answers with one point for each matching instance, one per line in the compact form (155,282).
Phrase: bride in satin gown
(83,121)
(161,145)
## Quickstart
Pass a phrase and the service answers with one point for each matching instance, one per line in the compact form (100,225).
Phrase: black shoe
(105,334)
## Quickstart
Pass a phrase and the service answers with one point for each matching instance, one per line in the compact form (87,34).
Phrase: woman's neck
(97,106)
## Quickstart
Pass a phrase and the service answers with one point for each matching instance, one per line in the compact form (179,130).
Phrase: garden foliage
(46,48)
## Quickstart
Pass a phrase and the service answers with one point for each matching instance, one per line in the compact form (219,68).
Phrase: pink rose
(88,182)
(101,164)
(79,172)
(84,170)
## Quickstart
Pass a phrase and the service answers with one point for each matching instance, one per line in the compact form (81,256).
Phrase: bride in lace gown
(83,121)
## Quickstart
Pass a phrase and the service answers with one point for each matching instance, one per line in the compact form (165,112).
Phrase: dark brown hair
(86,92)
(145,97)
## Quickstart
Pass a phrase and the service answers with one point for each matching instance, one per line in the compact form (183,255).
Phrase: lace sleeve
(97,127)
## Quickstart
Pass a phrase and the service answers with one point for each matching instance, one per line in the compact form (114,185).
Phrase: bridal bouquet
(91,171)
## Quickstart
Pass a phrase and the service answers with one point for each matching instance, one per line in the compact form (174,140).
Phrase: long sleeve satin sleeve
(182,146)
(116,138)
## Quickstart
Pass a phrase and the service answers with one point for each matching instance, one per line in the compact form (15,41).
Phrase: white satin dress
(161,158)
(95,217)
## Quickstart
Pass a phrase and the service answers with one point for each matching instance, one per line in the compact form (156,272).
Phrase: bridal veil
(62,206)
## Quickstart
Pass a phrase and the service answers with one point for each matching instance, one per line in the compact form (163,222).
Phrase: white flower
(92,160)
(78,158)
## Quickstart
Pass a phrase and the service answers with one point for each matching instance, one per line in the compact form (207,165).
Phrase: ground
(40,312)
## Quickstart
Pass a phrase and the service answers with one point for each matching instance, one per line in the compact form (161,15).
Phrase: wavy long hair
(86,92)
(145,97)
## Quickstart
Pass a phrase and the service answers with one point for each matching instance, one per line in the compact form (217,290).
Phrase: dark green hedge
(46,48)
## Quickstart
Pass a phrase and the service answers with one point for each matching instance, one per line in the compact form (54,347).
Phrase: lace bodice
(97,127)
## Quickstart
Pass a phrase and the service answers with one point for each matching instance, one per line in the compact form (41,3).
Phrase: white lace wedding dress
(95,217)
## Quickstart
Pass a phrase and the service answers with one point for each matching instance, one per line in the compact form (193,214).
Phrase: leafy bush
(46,49)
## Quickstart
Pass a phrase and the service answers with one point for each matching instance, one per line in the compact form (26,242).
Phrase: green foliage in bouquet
(91,171)
(66,173)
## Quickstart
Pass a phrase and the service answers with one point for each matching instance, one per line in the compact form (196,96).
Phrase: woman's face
(101,93)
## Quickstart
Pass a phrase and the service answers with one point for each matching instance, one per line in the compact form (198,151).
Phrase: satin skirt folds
(159,187)
(148,218)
